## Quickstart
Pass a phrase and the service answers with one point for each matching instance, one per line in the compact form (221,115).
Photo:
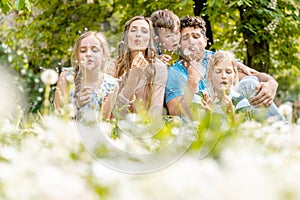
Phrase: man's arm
(266,89)
(179,105)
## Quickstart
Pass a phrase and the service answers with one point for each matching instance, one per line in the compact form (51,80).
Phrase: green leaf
(19,4)
(6,7)
(5,1)
(28,5)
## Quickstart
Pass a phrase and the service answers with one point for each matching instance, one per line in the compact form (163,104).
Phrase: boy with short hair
(167,35)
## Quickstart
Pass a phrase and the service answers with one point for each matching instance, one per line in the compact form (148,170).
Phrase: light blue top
(178,76)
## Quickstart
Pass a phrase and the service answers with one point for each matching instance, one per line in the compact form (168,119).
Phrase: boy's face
(222,77)
(168,39)
(192,44)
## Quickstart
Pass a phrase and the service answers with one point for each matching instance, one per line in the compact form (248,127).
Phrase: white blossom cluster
(263,158)
(272,4)
(49,159)
(272,26)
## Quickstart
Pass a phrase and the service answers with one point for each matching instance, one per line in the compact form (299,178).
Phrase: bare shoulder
(111,68)
(62,76)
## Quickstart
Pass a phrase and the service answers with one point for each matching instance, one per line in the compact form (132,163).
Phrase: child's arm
(165,58)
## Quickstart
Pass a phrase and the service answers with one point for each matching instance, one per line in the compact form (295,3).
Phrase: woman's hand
(139,62)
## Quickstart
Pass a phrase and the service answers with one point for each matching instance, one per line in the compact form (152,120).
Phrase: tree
(263,33)
(43,37)
(6,5)
(199,8)
(258,26)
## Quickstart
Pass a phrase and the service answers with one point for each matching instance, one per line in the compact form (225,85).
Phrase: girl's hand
(207,102)
(84,96)
(226,105)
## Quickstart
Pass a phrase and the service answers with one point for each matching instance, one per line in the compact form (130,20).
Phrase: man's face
(192,44)
(168,39)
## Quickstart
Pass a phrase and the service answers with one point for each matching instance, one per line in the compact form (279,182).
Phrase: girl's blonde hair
(75,56)
(218,57)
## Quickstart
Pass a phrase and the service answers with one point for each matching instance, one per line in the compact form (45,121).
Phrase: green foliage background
(42,33)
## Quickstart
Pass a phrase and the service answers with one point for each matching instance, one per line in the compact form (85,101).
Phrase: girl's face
(168,39)
(222,77)
(138,35)
(90,53)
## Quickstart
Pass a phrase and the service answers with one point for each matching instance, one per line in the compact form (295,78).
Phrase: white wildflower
(272,4)
(272,26)
(286,109)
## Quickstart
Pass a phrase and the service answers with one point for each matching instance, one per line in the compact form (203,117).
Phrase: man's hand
(195,75)
(246,71)
(266,92)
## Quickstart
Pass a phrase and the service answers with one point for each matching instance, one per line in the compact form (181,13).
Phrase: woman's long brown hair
(123,61)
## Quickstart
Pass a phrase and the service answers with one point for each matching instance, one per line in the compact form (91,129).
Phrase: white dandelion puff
(49,76)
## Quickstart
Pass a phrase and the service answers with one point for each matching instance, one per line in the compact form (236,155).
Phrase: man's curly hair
(193,21)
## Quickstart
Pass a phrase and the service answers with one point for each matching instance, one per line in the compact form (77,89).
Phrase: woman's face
(222,77)
(138,35)
(90,53)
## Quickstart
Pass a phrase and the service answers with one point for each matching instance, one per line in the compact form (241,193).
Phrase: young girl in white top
(222,77)
(94,89)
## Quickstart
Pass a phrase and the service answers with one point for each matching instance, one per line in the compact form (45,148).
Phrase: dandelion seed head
(49,76)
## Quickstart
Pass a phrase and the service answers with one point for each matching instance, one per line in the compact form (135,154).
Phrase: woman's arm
(159,86)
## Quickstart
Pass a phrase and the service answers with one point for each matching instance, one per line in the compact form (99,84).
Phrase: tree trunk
(198,8)
(258,54)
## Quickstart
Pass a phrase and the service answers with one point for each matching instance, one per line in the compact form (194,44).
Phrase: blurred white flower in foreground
(49,76)
(10,96)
